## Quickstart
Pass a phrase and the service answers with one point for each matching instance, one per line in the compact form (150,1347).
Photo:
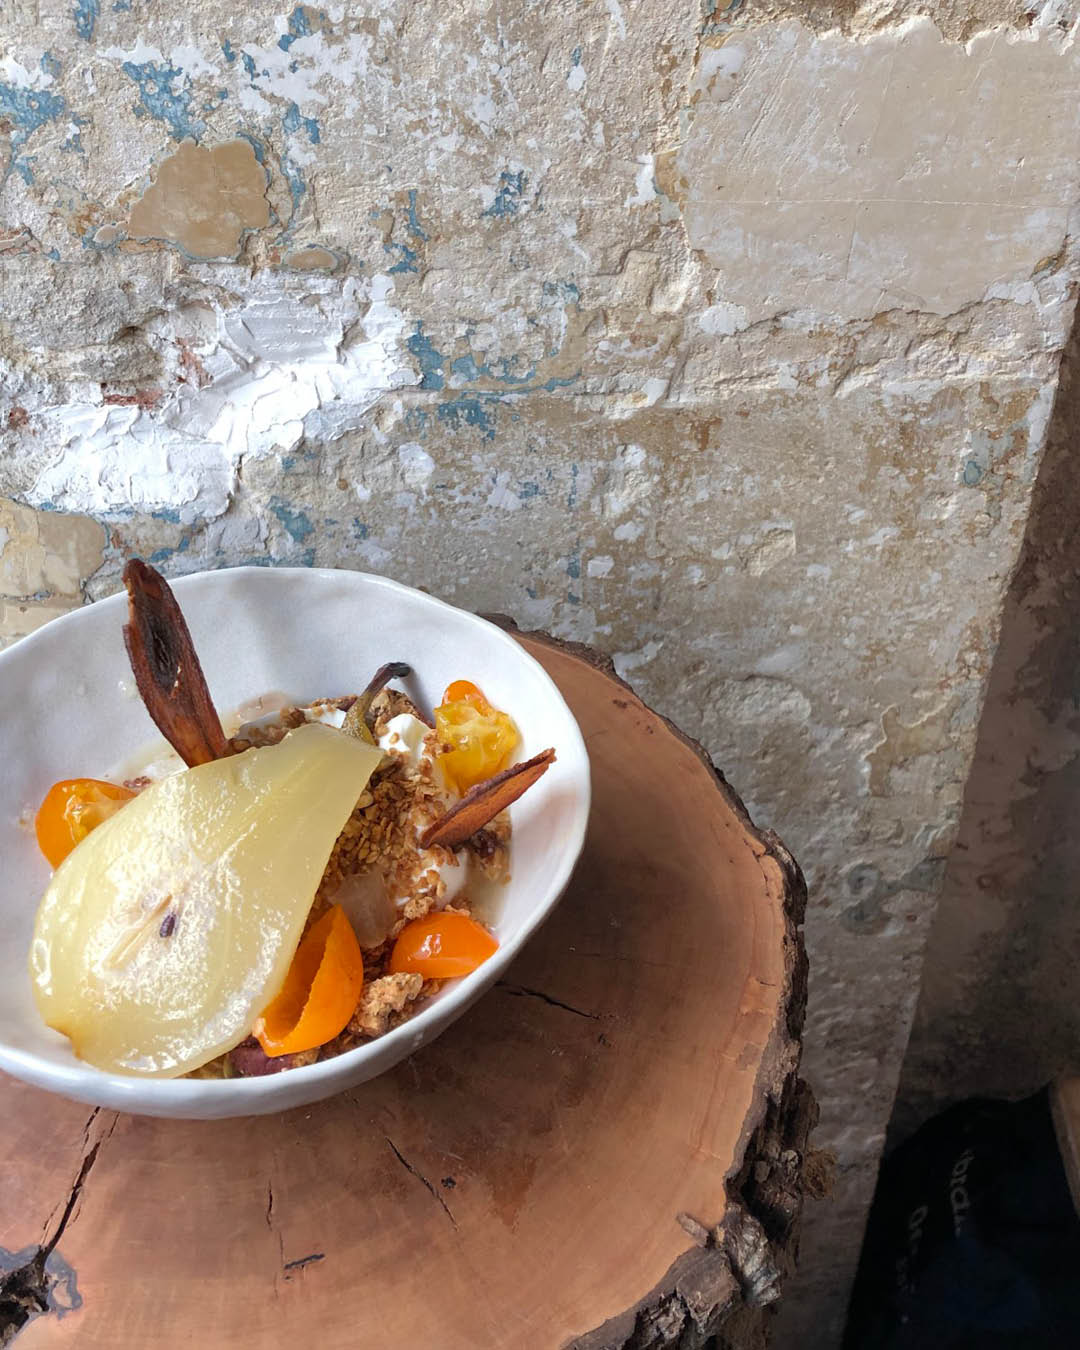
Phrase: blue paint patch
(416,419)
(86,16)
(229,51)
(429,359)
(527,491)
(712,25)
(249,65)
(307,558)
(158,98)
(161,555)
(407,261)
(27,110)
(571,496)
(565,291)
(530,591)
(360,529)
(507,201)
(293,122)
(575,57)
(121,6)
(299,26)
(466,367)
(297,187)
(973,473)
(50,65)
(168,513)
(73,140)
(53,254)
(573,566)
(558,382)
(469,410)
(296,523)
(415,228)
(256,146)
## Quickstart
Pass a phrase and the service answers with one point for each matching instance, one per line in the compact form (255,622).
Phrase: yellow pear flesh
(166,932)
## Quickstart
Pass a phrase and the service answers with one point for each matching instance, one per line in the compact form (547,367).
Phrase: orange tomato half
(71,809)
(441,947)
(480,737)
(464,691)
(321,990)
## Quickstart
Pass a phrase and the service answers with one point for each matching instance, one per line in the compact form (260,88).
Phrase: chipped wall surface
(726,343)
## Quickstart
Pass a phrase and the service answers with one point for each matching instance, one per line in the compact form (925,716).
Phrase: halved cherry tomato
(464,691)
(481,738)
(441,947)
(321,989)
(71,809)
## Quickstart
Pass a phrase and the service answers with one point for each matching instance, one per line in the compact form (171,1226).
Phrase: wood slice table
(606,1151)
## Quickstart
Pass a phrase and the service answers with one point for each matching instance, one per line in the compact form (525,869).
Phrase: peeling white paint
(882,536)
(625,662)
(502,496)
(417,466)
(192,62)
(281,366)
(718,69)
(644,183)
(14,73)
(138,55)
(723,320)
(373,553)
(600,566)
(115,458)
(617,18)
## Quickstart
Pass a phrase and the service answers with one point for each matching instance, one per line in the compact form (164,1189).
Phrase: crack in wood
(301,1261)
(420,1177)
(36,1280)
(519,991)
(269,1216)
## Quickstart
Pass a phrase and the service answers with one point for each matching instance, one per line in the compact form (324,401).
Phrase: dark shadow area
(998,1012)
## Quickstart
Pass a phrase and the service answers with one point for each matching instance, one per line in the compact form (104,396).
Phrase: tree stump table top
(605,1151)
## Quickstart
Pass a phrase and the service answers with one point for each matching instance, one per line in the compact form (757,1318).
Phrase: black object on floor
(973,1241)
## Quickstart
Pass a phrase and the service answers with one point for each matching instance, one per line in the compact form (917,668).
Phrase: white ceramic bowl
(68,711)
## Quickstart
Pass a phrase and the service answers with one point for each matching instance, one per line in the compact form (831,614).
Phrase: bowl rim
(176,1093)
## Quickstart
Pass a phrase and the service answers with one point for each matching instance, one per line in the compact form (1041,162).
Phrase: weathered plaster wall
(726,341)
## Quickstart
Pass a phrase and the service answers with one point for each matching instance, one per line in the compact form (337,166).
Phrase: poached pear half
(168,930)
